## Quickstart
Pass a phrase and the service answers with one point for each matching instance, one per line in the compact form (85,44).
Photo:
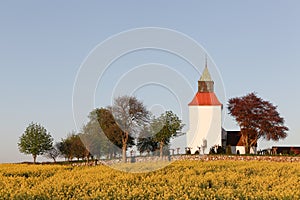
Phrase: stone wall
(194,157)
(238,158)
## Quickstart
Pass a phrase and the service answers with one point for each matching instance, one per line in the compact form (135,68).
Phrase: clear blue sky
(255,45)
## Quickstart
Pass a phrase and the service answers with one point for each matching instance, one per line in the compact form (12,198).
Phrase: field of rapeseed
(180,180)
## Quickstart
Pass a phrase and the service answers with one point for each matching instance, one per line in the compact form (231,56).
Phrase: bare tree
(52,153)
(130,114)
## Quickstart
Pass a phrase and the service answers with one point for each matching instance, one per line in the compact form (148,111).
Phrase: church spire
(205,83)
(205,75)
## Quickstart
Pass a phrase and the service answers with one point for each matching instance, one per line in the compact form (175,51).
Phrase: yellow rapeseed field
(180,180)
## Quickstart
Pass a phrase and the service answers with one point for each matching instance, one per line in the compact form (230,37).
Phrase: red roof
(205,99)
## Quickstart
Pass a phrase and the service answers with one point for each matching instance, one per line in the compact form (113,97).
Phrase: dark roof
(234,138)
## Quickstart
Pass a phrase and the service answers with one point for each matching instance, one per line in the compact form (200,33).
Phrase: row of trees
(109,132)
(36,140)
(128,123)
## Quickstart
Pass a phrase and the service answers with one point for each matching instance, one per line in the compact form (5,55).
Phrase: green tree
(94,137)
(167,126)
(257,118)
(35,141)
(146,142)
(78,148)
(91,136)
(109,126)
(73,147)
(117,137)
(64,147)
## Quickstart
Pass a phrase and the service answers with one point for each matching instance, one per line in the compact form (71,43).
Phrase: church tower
(204,116)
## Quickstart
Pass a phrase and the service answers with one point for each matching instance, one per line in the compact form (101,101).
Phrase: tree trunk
(124,158)
(252,144)
(161,146)
(124,147)
(247,149)
(247,146)
(34,158)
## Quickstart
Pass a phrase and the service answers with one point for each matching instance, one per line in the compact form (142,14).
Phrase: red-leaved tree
(257,119)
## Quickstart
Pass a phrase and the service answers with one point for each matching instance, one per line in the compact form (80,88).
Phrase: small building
(291,150)
(233,140)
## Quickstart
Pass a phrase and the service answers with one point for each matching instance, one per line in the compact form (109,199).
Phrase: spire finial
(205,74)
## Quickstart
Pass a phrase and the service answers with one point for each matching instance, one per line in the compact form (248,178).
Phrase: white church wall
(205,123)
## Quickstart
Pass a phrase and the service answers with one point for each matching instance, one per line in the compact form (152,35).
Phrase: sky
(251,46)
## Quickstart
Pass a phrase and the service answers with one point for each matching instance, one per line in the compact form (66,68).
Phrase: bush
(217,150)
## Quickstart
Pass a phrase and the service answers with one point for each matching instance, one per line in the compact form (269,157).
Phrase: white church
(205,116)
